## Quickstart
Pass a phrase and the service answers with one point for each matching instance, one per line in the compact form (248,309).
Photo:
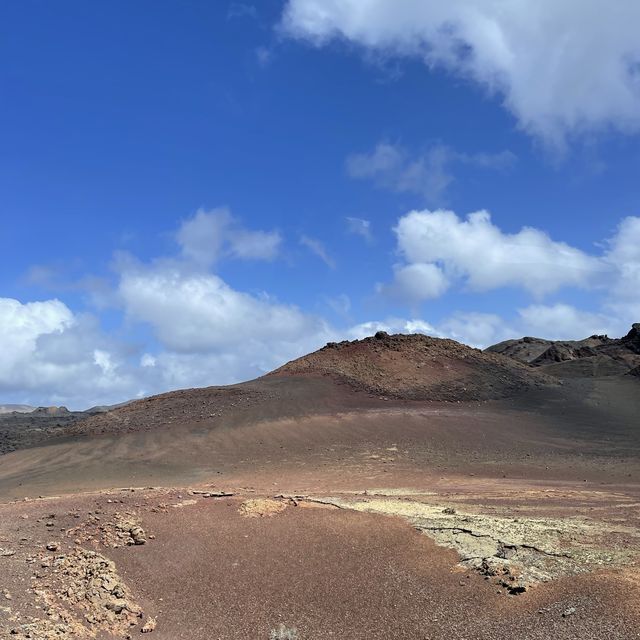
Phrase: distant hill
(595,356)
(52,412)
(15,408)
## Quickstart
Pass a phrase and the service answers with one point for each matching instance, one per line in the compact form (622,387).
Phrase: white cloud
(557,321)
(359,227)
(205,331)
(477,252)
(148,360)
(428,174)
(317,248)
(623,254)
(561,67)
(51,355)
(193,312)
(209,236)
(476,329)
(416,282)
(565,322)
(20,327)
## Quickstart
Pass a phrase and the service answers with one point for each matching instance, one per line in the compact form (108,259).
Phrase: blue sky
(194,192)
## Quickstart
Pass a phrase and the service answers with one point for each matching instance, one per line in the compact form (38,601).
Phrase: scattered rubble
(122,529)
(81,595)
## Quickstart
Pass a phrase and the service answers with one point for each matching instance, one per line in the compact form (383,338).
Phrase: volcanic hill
(595,356)
(401,367)
(417,367)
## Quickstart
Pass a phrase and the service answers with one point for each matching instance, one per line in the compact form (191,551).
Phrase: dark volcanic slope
(596,356)
(27,429)
(402,367)
(530,350)
(417,367)
(350,411)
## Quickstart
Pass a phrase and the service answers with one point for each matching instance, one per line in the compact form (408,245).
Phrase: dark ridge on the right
(595,356)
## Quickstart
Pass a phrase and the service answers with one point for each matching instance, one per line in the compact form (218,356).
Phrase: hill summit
(417,367)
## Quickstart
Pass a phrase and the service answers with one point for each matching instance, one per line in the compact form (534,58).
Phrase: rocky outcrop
(50,411)
(595,356)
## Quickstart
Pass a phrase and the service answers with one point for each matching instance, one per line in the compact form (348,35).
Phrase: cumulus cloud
(192,312)
(203,331)
(478,253)
(416,282)
(565,322)
(623,255)
(477,329)
(558,321)
(560,67)
(428,174)
(209,236)
(53,356)
(22,324)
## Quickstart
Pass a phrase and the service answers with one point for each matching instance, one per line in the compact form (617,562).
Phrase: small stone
(137,535)
(568,612)
(52,546)
(148,626)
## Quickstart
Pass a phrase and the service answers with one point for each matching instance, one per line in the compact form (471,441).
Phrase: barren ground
(352,515)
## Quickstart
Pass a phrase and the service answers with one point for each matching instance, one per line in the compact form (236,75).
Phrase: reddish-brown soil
(418,367)
(335,424)
(208,571)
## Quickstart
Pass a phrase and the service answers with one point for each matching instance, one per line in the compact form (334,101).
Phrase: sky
(193,192)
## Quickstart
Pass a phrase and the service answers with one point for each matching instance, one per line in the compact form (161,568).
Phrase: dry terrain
(396,487)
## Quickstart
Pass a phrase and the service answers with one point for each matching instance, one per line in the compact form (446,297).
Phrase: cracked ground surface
(360,564)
